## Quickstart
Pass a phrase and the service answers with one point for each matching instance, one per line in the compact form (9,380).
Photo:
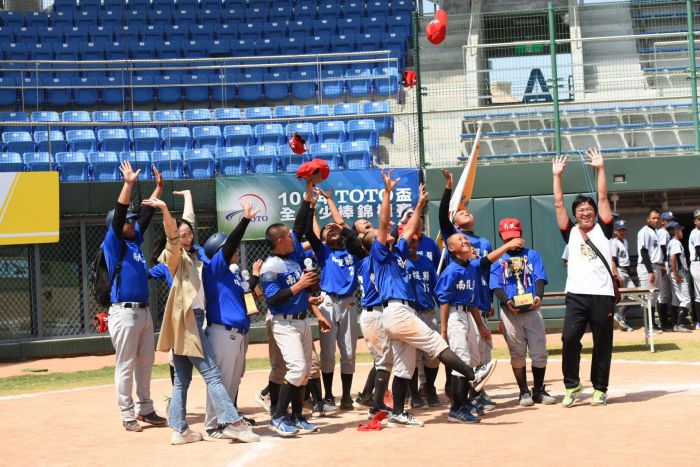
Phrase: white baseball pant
(371,323)
(695,272)
(341,313)
(295,342)
(462,334)
(525,331)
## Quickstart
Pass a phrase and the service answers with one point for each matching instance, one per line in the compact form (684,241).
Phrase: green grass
(683,351)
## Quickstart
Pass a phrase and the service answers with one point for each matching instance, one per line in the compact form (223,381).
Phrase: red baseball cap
(401,229)
(509,227)
(436,31)
(316,169)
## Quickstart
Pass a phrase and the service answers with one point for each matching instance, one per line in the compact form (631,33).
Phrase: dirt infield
(650,405)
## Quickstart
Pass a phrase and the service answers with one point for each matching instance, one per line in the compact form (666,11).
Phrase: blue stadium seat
(201,32)
(88,95)
(217,48)
(107,116)
(183,17)
(118,50)
(255,113)
(81,140)
(31,94)
(243,48)
(142,89)
(26,35)
(196,115)
(208,137)
(168,88)
(112,140)
(359,82)
(209,16)
(249,32)
(40,52)
(199,163)
(145,139)
(250,92)
(227,113)
(367,42)
(354,8)
(64,52)
(136,116)
(349,26)
(51,35)
(231,161)
(363,130)
(333,84)
(256,13)
(343,43)
(303,85)
(286,111)
(189,5)
(143,50)
(193,49)
(195,87)
(405,7)
(46,117)
(103,34)
(277,86)
(104,166)
(160,17)
(224,90)
(305,130)
(88,50)
(317,44)
(15,117)
(110,17)
(326,26)
(289,161)
(169,50)
(174,33)
(11,162)
(153,33)
(292,45)
(386,81)
(168,163)
(400,24)
(58,92)
(135,17)
(269,133)
(226,32)
(11,18)
(18,141)
(330,9)
(176,137)
(76,116)
(330,132)
(267,47)
(7,35)
(8,90)
(348,108)
(139,160)
(305,11)
(91,5)
(263,159)
(38,162)
(112,90)
(239,135)
(383,124)
(280,13)
(318,110)
(72,166)
(327,152)
(375,25)
(49,141)
(167,116)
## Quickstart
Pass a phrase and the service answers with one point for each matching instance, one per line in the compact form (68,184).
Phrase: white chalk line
(265,370)
(255,451)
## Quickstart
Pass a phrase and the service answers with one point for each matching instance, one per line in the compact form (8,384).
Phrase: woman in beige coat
(182,331)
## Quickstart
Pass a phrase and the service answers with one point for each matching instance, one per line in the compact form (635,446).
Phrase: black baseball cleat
(346,404)
(152,419)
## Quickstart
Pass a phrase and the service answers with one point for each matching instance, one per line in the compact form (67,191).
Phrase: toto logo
(258,203)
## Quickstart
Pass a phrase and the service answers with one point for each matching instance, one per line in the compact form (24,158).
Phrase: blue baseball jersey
(423,278)
(338,274)
(223,290)
(482,247)
(370,294)
(161,272)
(458,284)
(428,248)
(389,268)
(534,271)
(133,285)
(279,273)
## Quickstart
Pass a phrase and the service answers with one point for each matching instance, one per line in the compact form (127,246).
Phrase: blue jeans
(223,407)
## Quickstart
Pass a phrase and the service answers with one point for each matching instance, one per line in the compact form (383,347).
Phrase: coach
(590,296)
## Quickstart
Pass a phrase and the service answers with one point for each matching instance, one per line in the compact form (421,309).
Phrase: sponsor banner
(28,208)
(357,193)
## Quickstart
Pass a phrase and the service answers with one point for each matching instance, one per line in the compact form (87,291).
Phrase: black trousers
(596,311)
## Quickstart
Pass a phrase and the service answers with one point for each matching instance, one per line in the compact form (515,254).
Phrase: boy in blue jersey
(284,283)
(130,322)
(463,222)
(405,330)
(423,278)
(523,329)
(457,292)
(338,284)
(227,314)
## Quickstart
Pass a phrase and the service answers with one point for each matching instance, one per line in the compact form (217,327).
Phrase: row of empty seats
(190,163)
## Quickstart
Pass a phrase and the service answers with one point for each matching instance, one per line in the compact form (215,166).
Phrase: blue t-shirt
(161,272)
(223,290)
(389,268)
(338,273)
(133,286)
(428,248)
(482,247)
(370,294)
(457,285)
(534,271)
(279,273)
(423,278)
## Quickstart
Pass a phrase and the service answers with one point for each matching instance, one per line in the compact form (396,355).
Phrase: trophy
(516,267)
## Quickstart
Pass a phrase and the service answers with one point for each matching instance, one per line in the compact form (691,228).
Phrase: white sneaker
(405,419)
(187,436)
(241,432)
(263,401)
(482,374)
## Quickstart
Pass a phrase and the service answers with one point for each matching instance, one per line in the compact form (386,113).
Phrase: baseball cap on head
(673,226)
(130,216)
(509,228)
(696,213)
(667,216)
(620,224)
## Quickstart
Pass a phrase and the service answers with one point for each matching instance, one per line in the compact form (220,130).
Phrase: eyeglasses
(585,211)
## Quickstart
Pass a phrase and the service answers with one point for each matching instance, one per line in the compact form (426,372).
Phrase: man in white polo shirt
(694,247)
(590,296)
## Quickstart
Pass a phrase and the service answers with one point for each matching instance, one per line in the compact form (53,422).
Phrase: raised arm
(558,166)
(188,208)
(412,224)
(604,209)
(233,241)
(385,211)
(130,177)
(172,252)
(512,244)
(446,226)
(313,232)
(147,211)
(303,214)
(337,217)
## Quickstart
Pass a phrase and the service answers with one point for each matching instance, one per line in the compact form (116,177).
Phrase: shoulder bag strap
(597,252)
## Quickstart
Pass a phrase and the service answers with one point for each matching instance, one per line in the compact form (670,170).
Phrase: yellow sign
(29,211)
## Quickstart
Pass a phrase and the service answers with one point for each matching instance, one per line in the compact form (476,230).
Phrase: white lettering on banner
(369,195)
(365,211)
(403,195)
(347,211)
(401,207)
(324,212)
(287,214)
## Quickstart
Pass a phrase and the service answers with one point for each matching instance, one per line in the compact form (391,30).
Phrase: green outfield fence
(544,79)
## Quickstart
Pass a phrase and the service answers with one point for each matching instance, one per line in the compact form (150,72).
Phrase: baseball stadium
(457,195)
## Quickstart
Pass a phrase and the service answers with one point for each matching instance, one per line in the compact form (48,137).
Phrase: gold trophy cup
(522,301)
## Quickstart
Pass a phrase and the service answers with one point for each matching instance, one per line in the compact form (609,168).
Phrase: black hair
(653,210)
(160,243)
(583,199)
(367,240)
(272,234)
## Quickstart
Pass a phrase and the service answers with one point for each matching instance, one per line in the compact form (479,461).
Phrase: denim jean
(223,407)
